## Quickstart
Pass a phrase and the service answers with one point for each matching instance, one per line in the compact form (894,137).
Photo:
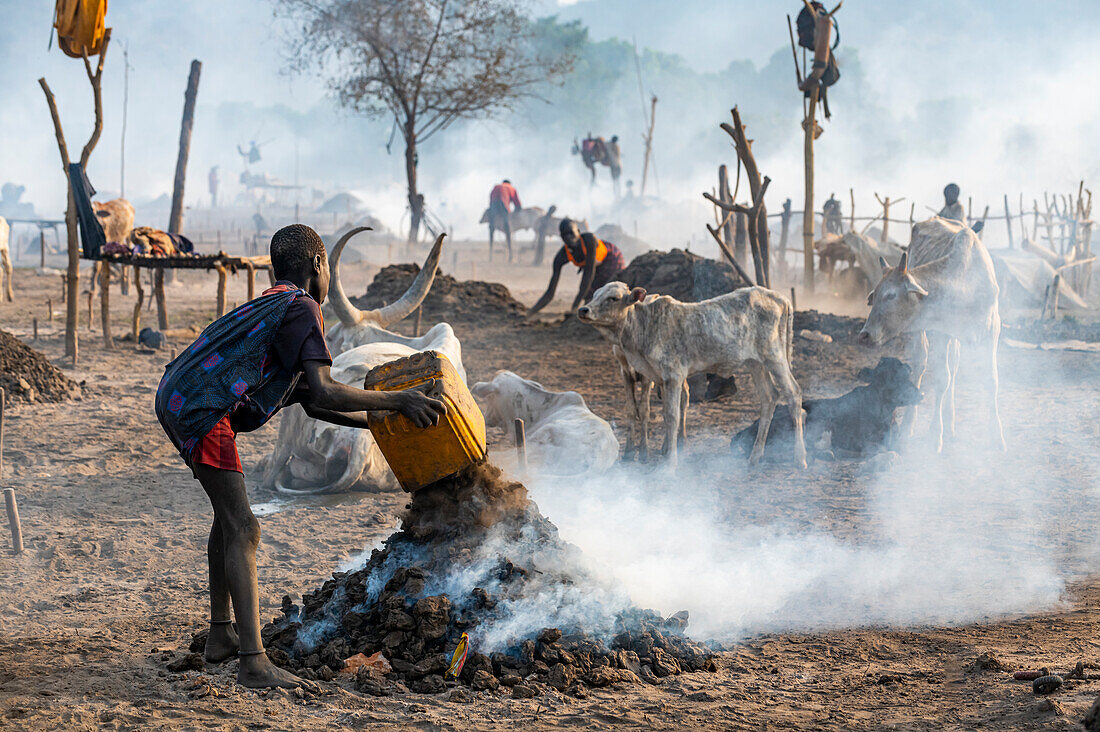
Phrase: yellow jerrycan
(421,456)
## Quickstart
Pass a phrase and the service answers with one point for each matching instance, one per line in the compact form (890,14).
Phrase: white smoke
(944,539)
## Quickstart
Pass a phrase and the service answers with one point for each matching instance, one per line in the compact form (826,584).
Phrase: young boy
(242,369)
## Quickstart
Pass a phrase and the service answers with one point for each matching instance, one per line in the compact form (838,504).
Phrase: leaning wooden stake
(9,493)
(521,446)
(852,211)
(1008,222)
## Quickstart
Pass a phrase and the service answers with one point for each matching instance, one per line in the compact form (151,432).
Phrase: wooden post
(852,210)
(175,220)
(64,287)
(809,127)
(89,293)
(784,228)
(726,225)
(753,214)
(105,303)
(251,269)
(42,249)
(794,300)
(222,277)
(521,446)
(34,325)
(135,325)
(1008,222)
(162,302)
(648,141)
(49,310)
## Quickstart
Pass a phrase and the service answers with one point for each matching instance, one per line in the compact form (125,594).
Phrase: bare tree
(426,62)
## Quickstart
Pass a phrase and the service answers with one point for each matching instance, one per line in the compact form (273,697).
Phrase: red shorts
(218,449)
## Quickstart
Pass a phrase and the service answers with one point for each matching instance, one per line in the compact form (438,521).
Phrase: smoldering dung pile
(682,275)
(449,299)
(27,375)
(475,555)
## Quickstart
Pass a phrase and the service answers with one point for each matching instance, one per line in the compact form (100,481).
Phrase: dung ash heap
(474,555)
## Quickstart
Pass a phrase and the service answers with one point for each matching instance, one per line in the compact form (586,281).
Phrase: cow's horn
(348,313)
(417,291)
(903,265)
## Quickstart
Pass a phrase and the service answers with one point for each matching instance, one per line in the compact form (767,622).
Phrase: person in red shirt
(598,260)
(503,200)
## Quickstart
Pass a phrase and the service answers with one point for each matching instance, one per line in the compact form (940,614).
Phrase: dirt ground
(113,580)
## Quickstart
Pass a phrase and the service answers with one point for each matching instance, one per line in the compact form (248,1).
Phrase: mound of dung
(449,299)
(28,375)
(474,555)
(682,275)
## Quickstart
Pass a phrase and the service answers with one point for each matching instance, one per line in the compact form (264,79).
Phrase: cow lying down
(861,423)
(563,436)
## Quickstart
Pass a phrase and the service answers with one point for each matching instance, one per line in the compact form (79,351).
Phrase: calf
(860,423)
(563,436)
(666,341)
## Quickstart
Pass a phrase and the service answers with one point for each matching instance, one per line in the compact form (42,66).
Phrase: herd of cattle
(941,291)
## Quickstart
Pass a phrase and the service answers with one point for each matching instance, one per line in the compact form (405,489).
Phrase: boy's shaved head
(293,249)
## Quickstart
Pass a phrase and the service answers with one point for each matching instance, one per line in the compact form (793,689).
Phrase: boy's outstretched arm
(329,395)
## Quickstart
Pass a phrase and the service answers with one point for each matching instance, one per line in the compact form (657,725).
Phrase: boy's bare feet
(222,643)
(258,672)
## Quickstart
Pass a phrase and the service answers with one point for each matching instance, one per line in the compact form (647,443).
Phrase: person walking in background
(503,200)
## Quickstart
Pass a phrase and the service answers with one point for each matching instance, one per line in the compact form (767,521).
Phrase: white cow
(666,341)
(945,291)
(6,291)
(563,436)
(358,327)
(312,456)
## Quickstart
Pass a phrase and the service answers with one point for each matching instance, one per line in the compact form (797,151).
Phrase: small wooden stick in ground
(34,321)
(9,493)
(13,521)
(521,445)
(49,310)
(794,302)
(90,327)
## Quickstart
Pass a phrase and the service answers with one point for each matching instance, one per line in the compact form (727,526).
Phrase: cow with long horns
(312,457)
(944,291)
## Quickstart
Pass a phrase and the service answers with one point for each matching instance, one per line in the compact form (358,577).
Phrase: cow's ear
(916,289)
(884,264)
(871,297)
(638,293)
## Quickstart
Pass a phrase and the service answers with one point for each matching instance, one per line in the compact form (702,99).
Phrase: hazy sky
(1009,84)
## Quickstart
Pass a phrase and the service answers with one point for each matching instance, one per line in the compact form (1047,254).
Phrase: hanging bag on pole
(81,25)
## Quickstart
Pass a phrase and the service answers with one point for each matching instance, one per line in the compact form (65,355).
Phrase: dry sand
(113,580)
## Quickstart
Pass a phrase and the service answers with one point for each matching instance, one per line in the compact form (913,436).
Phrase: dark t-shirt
(301,337)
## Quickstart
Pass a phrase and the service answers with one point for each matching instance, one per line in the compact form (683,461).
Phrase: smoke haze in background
(990,96)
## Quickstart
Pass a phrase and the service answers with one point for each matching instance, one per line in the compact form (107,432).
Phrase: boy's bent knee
(243,531)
